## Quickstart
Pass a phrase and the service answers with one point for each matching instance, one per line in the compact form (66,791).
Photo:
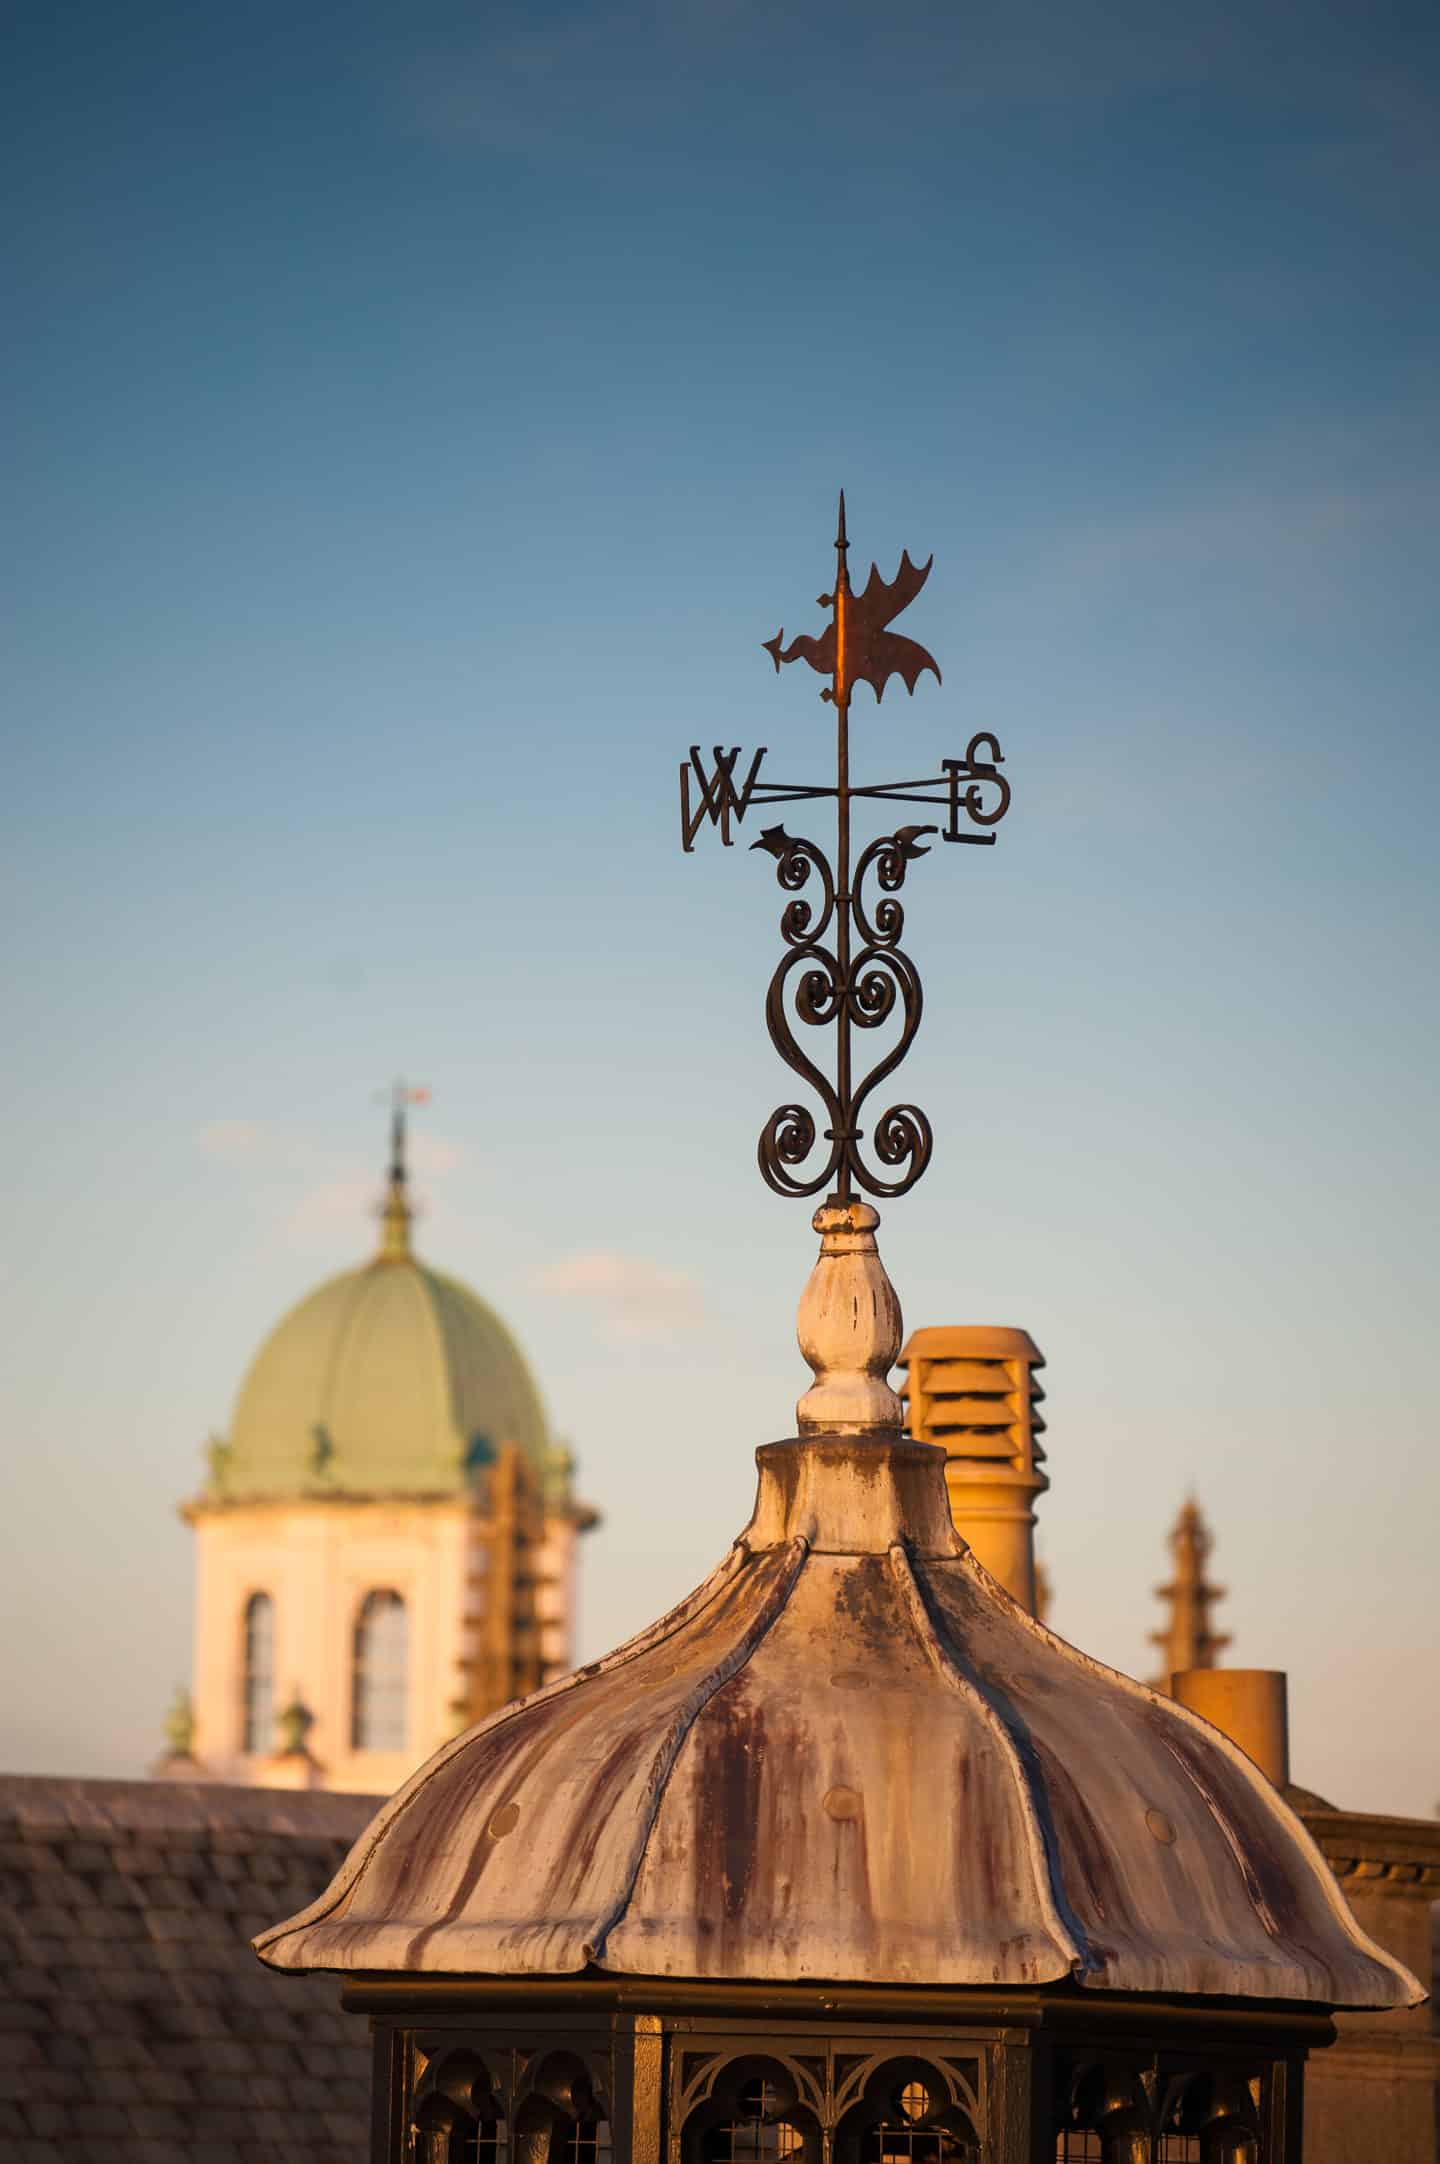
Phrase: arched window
(908,2115)
(446,2134)
(459,2118)
(755,2122)
(756,2132)
(381,1674)
(257,1688)
(584,2141)
(562,2119)
(1108,2118)
(912,2131)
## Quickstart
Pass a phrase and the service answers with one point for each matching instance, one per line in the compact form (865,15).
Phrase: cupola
(848,1857)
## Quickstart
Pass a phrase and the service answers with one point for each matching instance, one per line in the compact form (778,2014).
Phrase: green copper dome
(389,1380)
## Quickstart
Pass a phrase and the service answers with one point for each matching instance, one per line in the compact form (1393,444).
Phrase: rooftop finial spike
(396,1214)
(842,541)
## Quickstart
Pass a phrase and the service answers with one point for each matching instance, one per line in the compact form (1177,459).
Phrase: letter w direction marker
(720,800)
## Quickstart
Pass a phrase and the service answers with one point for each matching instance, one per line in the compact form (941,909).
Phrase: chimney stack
(971,1388)
(1249,1705)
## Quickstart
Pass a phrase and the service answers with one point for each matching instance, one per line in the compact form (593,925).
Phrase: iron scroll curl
(811,982)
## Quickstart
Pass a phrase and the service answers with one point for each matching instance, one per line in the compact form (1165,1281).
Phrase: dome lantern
(847,1858)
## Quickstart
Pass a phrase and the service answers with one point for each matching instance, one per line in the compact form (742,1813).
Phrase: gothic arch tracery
(459,2114)
(908,2110)
(758,2109)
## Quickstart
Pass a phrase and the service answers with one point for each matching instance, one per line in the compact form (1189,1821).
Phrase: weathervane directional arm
(719,800)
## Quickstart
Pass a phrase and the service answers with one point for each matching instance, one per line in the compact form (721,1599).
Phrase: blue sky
(415,419)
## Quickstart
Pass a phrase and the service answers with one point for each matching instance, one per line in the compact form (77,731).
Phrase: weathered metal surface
(849,1757)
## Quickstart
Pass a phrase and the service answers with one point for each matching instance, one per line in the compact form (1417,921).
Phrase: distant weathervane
(396,1212)
(842,949)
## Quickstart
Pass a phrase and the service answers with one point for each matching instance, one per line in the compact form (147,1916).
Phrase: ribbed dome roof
(391,1379)
(850,1755)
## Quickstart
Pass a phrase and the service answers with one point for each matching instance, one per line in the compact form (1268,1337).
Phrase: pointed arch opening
(380,1674)
(754,2116)
(910,2112)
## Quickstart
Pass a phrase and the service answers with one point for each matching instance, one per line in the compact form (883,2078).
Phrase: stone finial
(849,1329)
(179,1724)
(178,1762)
(218,1453)
(292,1764)
(295,1722)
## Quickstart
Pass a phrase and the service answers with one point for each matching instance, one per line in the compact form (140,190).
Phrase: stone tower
(386,1540)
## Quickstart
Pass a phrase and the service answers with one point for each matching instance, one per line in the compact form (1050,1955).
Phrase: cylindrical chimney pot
(1249,1705)
(972,1388)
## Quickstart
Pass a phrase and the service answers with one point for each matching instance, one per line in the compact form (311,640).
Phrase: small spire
(396,1215)
(842,542)
(1189,1639)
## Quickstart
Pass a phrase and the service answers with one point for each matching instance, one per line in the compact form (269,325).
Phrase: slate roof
(135,2022)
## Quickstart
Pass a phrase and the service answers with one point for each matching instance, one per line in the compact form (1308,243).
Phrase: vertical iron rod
(841,693)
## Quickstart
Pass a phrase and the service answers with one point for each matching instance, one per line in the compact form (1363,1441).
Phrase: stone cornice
(228,1506)
(1366,1847)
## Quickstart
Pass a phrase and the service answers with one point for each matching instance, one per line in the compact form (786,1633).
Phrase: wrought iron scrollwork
(843,968)
(862,990)
(809,974)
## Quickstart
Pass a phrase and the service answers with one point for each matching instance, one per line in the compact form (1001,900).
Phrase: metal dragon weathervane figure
(843,967)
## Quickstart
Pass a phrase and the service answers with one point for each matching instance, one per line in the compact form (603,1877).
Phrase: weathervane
(843,967)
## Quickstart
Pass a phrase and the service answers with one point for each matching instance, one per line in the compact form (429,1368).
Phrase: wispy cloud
(431,1156)
(332,1214)
(622,66)
(230,1139)
(320,1199)
(632,1297)
(1297,511)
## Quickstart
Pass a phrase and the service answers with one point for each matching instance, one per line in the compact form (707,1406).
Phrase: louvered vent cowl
(972,1389)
